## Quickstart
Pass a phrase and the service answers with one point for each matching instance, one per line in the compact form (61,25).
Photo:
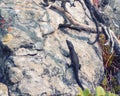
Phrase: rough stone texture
(3,90)
(15,75)
(38,64)
(112,11)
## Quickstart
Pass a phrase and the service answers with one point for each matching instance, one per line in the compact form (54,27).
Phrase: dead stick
(77,25)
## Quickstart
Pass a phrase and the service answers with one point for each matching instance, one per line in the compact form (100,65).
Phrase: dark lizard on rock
(97,18)
(74,62)
(92,11)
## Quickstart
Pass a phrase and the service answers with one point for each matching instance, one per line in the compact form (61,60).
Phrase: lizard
(47,2)
(74,62)
(97,18)
(92,11)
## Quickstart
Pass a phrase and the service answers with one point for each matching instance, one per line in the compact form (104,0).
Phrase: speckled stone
(15,74)
(3,90)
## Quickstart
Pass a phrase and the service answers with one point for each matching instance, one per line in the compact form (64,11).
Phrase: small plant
(98,92)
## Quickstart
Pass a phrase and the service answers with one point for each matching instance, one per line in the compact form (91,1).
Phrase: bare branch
(77,25)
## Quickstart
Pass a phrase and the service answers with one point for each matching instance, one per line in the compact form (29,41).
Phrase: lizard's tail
(78,81)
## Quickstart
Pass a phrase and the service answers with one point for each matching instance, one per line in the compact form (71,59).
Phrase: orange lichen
(9,29)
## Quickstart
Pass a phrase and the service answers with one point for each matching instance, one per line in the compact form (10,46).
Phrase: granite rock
(38,64)
(3,90)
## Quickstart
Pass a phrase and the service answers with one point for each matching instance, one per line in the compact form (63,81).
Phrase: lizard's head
(69,44)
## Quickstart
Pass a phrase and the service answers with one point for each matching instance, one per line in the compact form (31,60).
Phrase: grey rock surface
(112,10)
(15,74)
(38,64)
(3,90)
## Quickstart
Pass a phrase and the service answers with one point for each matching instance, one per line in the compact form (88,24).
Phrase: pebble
(3,90)
(15,74)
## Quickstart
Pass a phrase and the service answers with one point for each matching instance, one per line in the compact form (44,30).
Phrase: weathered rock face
(112,11)
(38,64)
(3,90)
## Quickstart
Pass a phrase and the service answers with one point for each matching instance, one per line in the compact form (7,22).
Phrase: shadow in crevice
(5,52)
